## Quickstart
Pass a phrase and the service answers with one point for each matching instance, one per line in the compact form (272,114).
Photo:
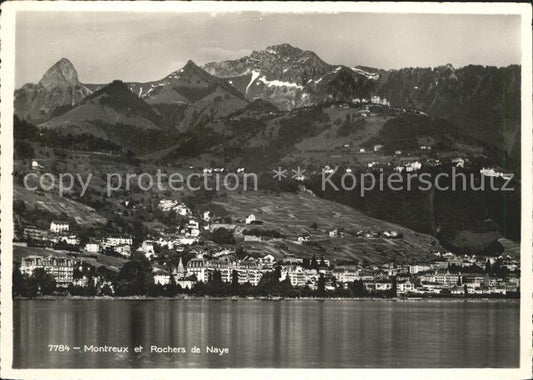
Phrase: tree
(223,236)
(322,262)
(23,150)
(106,290)
(217,277)
(31,288)
(234,282)
(45,282)
(18,283)
(321,287)
(314,263)
(488,268)
(135,277)
(394,290)
(357,288)
(286,288)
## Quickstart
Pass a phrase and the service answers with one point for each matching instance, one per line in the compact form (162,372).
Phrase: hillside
(483,101)
(294,214)
(112,112)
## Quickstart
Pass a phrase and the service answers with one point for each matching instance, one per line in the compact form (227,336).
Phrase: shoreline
(235,299)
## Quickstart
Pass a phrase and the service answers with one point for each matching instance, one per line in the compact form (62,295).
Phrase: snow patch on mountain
(279,83)
(367,74)
(255,75)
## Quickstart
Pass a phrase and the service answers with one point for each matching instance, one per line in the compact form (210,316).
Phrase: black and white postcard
(251,190)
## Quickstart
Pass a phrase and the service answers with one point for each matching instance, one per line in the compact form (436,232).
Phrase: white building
(36,166)
(124,250)
(118,240)
(70,240)
(414,269)
(62,268)
(173,205)
(413,166)
(459,162)
(198,267)
(147,247)
(327,170)
(92,247)
(58,226)
(251,218)
(405,286)
(161,277)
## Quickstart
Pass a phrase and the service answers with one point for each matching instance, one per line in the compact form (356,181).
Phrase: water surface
(278,334)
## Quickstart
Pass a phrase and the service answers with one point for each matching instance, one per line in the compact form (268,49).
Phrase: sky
(141,47)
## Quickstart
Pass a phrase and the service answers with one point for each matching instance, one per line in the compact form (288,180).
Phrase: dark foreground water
(267,333)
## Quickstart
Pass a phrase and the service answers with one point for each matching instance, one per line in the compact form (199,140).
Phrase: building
(346,276)
(458,162)
(405,286)
(192,228)
(92,247)
(179,272)
(70,240)
(251,218)
(198,267)
(59,226)
(173,205)
(414,269)
(295,274)
(33,233)
(186,283)
(124,250)
(413,166)
(147,247)
(62,268)
(118,240)
(35,165)
(252,276)
(383,285)
(161,277)
(327,170)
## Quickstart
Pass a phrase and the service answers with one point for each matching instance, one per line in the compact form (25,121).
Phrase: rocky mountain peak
(61,74)
(191,66)
(283,49)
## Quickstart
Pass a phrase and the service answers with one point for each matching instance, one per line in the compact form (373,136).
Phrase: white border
(7,25)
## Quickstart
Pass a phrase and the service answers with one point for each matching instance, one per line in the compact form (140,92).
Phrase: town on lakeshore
(205,256)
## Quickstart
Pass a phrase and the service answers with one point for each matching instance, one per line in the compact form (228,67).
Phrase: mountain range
(482,101)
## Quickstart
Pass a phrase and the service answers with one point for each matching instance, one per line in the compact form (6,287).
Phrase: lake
(258,334)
